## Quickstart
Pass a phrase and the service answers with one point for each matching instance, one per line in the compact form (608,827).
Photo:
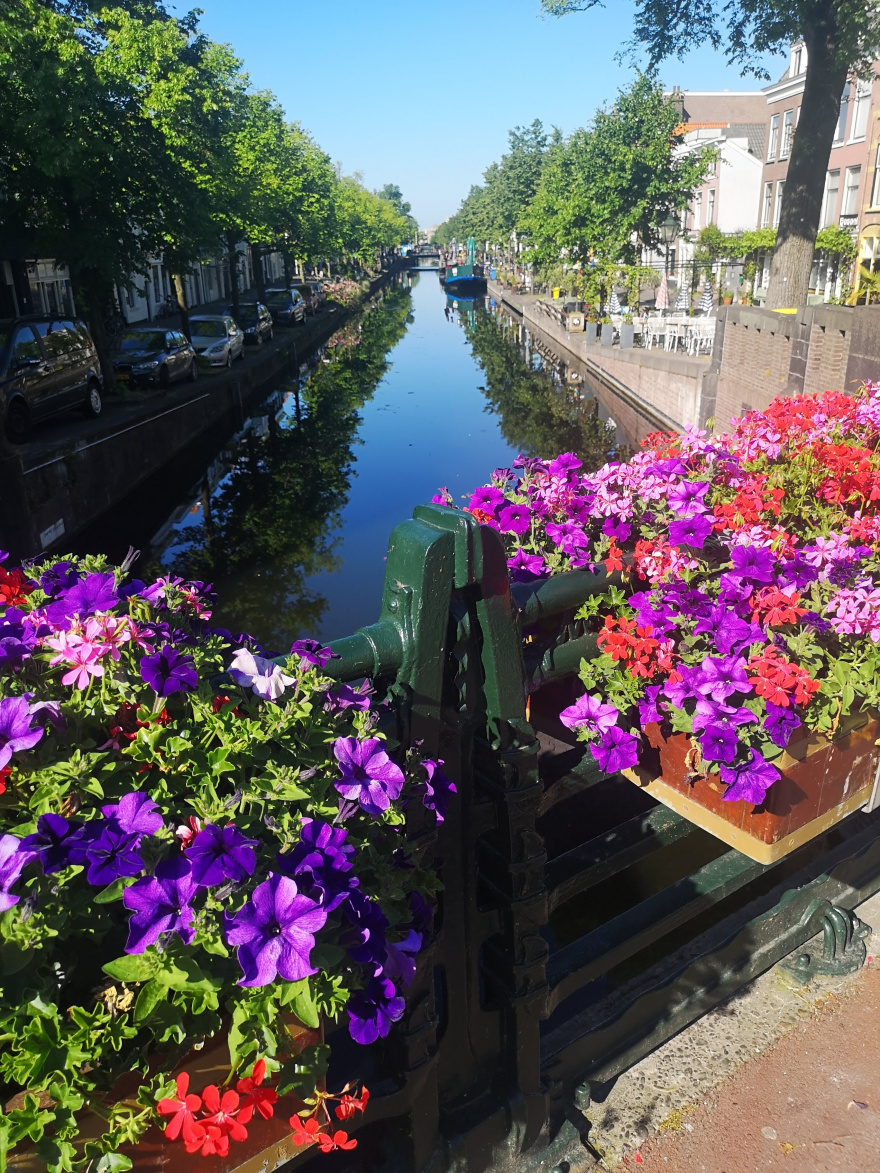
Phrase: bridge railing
(580,925)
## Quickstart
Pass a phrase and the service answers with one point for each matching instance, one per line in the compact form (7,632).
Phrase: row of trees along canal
(273,522)
(128,134)
(603,192)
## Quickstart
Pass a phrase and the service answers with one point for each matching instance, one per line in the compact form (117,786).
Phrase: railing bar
(576,964)
(556,595)
(605,856)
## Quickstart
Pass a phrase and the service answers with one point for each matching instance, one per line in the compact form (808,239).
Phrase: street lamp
(668,232)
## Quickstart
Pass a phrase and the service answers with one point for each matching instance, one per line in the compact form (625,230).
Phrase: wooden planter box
(822,782)
(269,1144)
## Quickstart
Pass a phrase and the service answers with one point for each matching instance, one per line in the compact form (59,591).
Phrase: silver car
(217,339)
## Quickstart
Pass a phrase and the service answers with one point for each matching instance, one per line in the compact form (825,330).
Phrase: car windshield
(304,290)
(214,329)
(142,340)
(247,314)
(278,298)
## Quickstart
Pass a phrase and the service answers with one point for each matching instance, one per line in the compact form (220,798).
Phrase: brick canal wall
(74,471)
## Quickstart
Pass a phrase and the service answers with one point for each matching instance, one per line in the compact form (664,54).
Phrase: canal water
(291,520)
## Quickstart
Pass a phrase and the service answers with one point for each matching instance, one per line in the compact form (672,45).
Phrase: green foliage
(839,242)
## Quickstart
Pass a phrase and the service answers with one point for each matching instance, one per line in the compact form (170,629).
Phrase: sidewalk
(782,1076)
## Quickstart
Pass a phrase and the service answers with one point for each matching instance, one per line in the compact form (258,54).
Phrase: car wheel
(94,405)
(229,359)
(164,378)
(18,421)
(193,370)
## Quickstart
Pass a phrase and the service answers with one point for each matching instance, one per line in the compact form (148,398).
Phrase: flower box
(269,1142)
(823,780)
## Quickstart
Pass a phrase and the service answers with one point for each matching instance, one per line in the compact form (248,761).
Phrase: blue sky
(422,94)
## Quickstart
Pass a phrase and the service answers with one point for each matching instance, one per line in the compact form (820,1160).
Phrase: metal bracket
(843,947)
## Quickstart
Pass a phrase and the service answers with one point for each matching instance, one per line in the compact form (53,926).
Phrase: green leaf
(150,996)
(113,1163)
(110,893)
(326,956)
(304,1071)
(305,1007)
(132,968)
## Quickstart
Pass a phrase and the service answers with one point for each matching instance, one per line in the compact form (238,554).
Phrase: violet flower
(614,528)
(779,724)
(373,1011)
(687,499)
(526,567)
(679,691)
(135,814)
(267,679)
(16,732)
(487,499)
(321,863)
(564,464)
(168,671)
(369,777)
(399,963)
(708,712)
(718,742)
(515,519)
(109,852)
(692,531)
(312,652)
(616,751)
(52,842)
(95,592)
(13,857)
(729,632)
(58,578)
(589,712)
(275,932)
(437,789)
(221,853)
(161,904)
(749,782)
(365,937)
(649,710)
(343,696)
(753,562)
(720,677)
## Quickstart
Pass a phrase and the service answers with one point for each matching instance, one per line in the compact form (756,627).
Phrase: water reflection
(267,516)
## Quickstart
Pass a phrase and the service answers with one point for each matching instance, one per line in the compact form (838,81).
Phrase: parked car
(47,365)
(217,339)
(308,294)
(256,322)
(150,355)
(286,306)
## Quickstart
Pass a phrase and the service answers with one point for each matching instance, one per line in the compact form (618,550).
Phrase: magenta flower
(526,567)
(312,652)
(487,499)
(161,904)
(369,777)
(275,933)
(591,713)
(564,464)
(687,498)
(649,710)
(515,519)
(616,751)
(16,733)
(438,789)
(168,671)
(749,782)
(13,857)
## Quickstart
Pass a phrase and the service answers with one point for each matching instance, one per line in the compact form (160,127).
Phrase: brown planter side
(822,782)
(268,1146)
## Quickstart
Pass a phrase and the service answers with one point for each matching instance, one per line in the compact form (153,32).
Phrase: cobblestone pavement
(780,1077)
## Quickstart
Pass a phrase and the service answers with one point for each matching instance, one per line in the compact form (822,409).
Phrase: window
(860,111)
(767,206)
(841,121)
(787,129)
(710,207)
(698,210)
(875,193)
(774,136)
(829,200)
(797,58)
(851,191)
(26,348)
(780,187)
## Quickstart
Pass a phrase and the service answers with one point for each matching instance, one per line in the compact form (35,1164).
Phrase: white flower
(265,678)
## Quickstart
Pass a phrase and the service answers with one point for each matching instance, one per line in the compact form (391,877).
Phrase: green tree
(841,37)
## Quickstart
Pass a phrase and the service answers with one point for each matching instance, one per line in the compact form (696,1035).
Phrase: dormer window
(797,58)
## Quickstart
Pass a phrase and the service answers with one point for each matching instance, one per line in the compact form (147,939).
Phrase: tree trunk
(805,181)
(234,294)
(97,295)
(182,308)
(287,278)
(259,275)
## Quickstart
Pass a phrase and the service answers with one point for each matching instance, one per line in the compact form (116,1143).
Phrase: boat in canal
(466,279)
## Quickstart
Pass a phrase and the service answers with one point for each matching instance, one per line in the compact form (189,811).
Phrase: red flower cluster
(794,418)
(4,774)
(853,475)
(752,500)
(652,559)
(14,587)
(224,1115)
(614,560)
(662,444)
(772,607)
(326,1137)
(779,681)
(629,644)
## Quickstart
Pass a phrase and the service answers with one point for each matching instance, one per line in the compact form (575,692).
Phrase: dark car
(47,365)
(307,293)
(286,306)
(148,355)
(256,321)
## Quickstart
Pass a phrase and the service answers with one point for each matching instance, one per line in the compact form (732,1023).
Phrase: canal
(290,519)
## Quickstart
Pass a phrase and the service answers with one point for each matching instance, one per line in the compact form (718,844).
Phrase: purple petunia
(749,782)
(135,814)
(161,904)
(17,639)
(753,562)
(515,519)
(109,853)
(526,567)
(52,842)
(487,499)
(13,857)
(169,671)
(564,464)
(266,678)
(369,777)
(691,531)
(780,724)
(321,863)
(275,932)
(312,652)
(95,592)
(718,742)
(58,578)
(687,499)
(373,1011)
(616,751)
(343,696)
(221,853)
(614,528)
(399,963)
(728,630)
(679,691)
(722,676)
(438,789)
(708,711)
(16,732)
(649,710)
(365,937)
(589,712)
